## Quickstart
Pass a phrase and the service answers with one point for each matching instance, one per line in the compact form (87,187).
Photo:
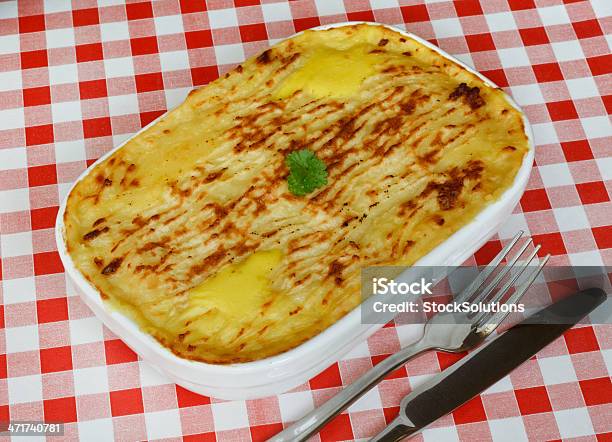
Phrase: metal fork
(460,333)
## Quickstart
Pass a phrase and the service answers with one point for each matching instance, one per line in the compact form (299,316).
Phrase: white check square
(169,24)
(163,424)
(9,44)
(574,423)
(447,27)
(567,50)
(119,67)
(229,54)
(230,415)
(12,118)
(60,38)
(14,158)
(502,21)
(16,244)
(123,104)
(273,12)
(174,61)
(66,111)
(63,73)
(69,151)
(527,94)
(90,380)
(295,405)
(19,290)
(330,7)
(557,370)
(85,330)
(553,15)
(554,175)
(116,30)
(20,339)
(508,430)
(22,389)
(513,57)
(14,200)
(223,18)
(571,218)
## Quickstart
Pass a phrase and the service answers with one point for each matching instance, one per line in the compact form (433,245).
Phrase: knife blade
(479,370)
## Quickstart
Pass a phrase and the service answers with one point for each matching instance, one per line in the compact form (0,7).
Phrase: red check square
(534,36)
(186,398)
(360,16)
(189,6)
(603,236)
(43,218)
(581,340)
(85,17)
(31,23)
(55,359)
(3,367)
(89,52)
(60,410)
(97,127)
(547,72)
(118,353)
(34,59)
(480,42)
(592,193)
(533,400)
(301,24)
(52,310)
(518,5)
(144,45)
(199,39)
(587,28)
(136,11)
(328,378)
(205,74)
(498,76)
(338,429)
(445,360)
(487,252)
(46,263)
(125,402)
(551,243)
(254,32)
(36,96)
(562,110)
(241,3)
(466,8)
(600,65)
(534,200)
(39,134)
(149,82)
(92,89)
(471,411)
(42,175)
(265,432)
(147,117)
(596,391)
(577,150)
(415,13)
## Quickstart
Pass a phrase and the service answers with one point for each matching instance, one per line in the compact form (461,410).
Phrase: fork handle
(317,418)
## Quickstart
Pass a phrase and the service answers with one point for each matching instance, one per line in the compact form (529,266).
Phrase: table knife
(479,370)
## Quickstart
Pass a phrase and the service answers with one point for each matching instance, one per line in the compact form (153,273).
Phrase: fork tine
(469,291)
(487,290)
(496,318)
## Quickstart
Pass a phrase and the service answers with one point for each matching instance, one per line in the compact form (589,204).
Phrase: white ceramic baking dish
(294,367)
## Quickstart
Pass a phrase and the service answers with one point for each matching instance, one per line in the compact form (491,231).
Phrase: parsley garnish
(307,172)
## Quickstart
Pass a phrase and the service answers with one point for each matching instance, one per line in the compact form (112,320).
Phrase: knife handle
(395,431)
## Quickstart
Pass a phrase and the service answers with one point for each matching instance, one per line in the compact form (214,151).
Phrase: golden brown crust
(419,149)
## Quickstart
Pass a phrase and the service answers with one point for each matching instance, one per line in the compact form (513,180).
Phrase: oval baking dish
(284,371)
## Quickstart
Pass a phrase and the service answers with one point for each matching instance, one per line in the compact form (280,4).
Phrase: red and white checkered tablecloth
(78,77)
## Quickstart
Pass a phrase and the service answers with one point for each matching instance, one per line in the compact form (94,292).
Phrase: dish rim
(351,319)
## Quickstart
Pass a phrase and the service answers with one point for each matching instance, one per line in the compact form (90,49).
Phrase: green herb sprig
(307,172)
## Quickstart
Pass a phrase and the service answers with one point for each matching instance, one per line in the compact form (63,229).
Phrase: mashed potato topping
(190,227)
